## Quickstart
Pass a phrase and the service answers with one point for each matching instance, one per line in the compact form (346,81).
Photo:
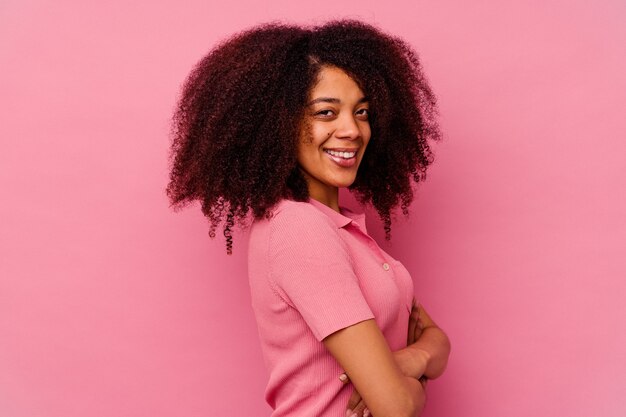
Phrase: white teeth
(345,155)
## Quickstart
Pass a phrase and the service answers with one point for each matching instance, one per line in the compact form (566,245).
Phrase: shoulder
(296,228)
(300,224)
(298,215)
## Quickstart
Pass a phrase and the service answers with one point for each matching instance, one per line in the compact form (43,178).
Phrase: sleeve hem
(321,334)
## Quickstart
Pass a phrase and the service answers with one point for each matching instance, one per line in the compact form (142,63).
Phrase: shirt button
(386,266)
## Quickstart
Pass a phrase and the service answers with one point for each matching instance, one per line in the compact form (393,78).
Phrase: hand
(426,341)
(356,406)
(411,364)
(416,326)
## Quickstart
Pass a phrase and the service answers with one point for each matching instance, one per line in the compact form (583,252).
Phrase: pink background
(113,305)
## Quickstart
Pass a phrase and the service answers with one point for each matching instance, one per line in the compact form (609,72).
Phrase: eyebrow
(332,100)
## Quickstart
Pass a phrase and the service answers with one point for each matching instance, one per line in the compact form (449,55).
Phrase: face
(335,132)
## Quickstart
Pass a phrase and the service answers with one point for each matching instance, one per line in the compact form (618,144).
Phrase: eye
(363,113)
(325,113)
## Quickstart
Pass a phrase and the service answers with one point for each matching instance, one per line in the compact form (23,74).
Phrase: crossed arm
(428,347)
(390,383)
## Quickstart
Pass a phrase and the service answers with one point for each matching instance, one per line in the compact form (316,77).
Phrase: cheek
(308,151)
(319,135)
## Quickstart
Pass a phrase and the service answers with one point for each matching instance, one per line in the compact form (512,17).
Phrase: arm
(362,351)
(425,357)
(428,347)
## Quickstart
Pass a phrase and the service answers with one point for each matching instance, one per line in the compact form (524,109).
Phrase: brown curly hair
(236,127)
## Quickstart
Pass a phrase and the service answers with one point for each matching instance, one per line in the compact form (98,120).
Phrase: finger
(344,378)
(354,400)
(410,338)
(416,313)
(366,412)
(417,332)
(424,318)
(359,408)
(412,325)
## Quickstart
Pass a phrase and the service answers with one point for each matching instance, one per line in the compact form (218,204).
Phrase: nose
(348,128)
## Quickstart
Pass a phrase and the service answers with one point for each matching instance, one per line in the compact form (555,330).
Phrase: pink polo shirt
(314,271)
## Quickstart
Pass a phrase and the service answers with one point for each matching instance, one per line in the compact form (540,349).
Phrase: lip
(345,163)
(342,149)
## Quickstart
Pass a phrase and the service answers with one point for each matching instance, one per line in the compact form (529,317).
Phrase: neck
(324,193)
(328,196)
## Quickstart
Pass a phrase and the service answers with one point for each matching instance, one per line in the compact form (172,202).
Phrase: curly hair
(236,127)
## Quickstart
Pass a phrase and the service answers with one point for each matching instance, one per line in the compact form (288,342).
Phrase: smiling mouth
(342,154)
(343,158)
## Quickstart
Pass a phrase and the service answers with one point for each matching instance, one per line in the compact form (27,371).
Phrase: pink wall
(112,305)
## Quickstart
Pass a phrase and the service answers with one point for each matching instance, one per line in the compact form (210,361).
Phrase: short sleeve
(312,271)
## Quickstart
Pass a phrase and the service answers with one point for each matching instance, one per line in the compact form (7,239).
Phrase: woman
(271,124)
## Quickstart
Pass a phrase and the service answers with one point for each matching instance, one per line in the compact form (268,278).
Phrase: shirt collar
(340,219)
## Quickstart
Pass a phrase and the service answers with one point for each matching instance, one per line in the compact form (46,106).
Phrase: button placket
(371,243)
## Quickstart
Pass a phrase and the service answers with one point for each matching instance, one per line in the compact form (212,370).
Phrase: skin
(386,383)
(424,358)
(336,118)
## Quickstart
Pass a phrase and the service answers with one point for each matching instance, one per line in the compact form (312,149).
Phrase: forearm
(436,345)
(418,396)
(427,356)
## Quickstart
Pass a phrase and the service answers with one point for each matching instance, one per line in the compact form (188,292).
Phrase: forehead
(335,82)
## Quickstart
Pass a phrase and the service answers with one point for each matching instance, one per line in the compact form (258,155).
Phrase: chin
(344,183)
